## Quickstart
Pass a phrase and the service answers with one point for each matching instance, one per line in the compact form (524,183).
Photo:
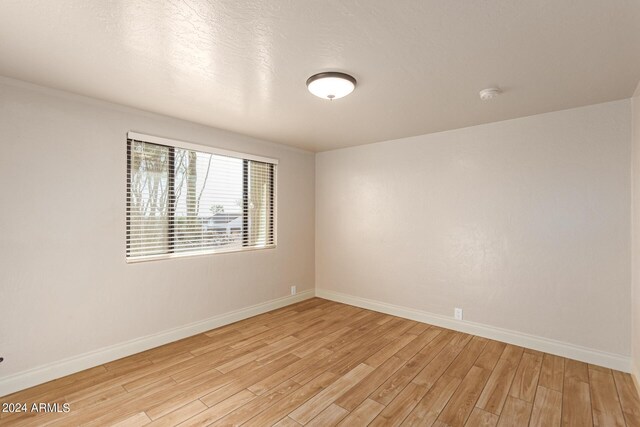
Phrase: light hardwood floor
(321,363)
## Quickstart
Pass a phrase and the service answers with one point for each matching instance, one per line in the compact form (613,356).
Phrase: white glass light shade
(331,85)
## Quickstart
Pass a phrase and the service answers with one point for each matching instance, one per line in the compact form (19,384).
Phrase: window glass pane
(182,201)
(208,194)
(148,209)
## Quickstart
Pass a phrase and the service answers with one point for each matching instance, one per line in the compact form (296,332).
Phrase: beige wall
(636,237)
(66,288)
(525,224)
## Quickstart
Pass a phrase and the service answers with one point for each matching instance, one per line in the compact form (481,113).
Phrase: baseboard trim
(583,354)
(61,368)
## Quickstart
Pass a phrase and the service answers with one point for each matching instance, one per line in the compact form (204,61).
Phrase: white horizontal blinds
(260,203)
(196,202)
(147,199)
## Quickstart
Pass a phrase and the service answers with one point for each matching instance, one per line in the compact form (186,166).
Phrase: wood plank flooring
(320,363)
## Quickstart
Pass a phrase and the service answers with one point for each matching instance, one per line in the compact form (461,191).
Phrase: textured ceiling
(242,65)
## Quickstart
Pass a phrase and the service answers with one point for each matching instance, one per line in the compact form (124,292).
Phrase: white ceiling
(242,65)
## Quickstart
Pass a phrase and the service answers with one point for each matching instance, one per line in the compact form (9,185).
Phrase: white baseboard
(61,368)
(559,348)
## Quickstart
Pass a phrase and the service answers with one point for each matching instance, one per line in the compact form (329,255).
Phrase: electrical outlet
(457,313)
(293,290)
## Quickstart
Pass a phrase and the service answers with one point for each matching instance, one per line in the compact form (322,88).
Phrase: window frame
(172,144)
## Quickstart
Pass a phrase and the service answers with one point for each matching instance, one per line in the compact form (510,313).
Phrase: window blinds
(184,199)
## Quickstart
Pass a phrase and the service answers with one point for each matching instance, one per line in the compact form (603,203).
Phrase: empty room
(320,213)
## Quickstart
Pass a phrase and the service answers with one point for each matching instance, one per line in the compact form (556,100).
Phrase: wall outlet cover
(457,313)
(294,290)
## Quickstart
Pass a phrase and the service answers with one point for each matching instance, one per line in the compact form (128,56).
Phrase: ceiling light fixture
(331,85)
(489,93)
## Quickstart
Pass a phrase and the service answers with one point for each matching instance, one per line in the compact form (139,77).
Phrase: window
(184,199)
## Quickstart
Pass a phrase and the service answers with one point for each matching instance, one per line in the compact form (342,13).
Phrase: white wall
(66,288)
(525,224)
(635,351)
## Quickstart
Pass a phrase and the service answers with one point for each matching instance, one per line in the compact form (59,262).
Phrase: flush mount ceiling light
(331,85)
(489,93)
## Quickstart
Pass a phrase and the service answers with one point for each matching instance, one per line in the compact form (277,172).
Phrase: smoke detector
(489,93)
